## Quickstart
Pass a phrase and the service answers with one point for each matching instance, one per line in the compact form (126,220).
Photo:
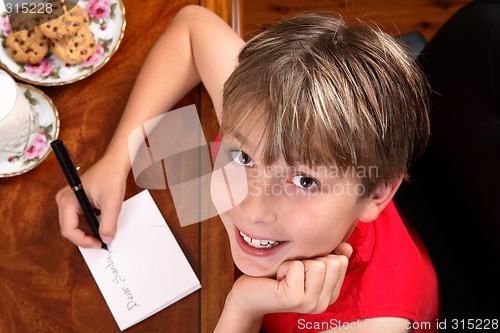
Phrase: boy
(324,119)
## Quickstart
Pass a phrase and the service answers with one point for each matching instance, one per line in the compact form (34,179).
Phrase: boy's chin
(257,272)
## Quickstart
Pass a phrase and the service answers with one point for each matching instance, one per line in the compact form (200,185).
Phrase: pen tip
(104,246)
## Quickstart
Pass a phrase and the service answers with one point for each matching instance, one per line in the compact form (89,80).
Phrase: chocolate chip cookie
(76,49)
(27,46)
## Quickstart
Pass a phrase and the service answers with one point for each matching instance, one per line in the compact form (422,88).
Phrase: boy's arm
(197,46)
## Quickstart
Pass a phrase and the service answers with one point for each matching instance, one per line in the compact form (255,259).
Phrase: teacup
(19,125)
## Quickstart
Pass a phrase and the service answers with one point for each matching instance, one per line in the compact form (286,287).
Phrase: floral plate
(107,24)
(49,130)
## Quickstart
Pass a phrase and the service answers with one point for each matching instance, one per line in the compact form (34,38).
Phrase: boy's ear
(378,200)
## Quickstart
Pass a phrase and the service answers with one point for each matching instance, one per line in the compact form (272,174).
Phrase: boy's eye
(304,182)
(242,158)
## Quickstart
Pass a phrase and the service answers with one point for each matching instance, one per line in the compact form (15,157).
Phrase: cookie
(76,49)
(66,25)
(27,46)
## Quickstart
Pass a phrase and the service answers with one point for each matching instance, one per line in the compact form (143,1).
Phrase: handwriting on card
(129,277)
(119,280)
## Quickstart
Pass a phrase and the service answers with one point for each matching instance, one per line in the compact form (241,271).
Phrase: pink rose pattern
(4,25)
(94,59)
(43,68)
(99,9)
(38,147)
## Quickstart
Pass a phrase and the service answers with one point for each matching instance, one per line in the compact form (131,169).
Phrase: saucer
(108,26)
(49,130)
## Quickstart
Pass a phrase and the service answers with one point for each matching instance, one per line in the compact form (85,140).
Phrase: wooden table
(45,285)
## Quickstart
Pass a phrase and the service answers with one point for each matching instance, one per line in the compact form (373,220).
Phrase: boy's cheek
(228,188)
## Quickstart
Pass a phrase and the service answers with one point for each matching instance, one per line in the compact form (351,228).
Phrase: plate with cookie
(59,42)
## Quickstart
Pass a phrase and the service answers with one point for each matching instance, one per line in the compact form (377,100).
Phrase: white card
(145,270)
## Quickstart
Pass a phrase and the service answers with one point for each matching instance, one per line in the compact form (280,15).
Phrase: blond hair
(329,94)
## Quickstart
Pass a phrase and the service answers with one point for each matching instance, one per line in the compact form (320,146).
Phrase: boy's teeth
(258,243)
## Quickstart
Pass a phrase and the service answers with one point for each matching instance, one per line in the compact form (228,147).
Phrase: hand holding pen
(76,186)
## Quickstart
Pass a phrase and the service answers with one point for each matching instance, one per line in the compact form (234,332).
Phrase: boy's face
(289,212)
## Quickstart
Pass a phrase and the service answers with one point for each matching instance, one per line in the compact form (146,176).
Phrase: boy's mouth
(260,243)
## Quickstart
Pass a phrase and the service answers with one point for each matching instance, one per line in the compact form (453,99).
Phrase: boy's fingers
(344,249)
(335,266)
(290,288)
(332,264)
(110,209)
(315,273)
(292,270)
(69,212)
(341,270)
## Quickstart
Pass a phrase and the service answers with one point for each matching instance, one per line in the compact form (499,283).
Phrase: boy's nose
(259,206)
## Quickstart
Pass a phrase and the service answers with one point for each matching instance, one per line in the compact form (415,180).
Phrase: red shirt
(389,275)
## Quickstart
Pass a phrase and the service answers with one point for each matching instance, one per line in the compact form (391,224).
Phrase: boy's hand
(304,286)
(105,188)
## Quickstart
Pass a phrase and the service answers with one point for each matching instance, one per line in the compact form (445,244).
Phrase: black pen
(75,184)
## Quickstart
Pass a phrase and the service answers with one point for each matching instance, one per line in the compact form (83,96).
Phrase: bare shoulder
(375,325)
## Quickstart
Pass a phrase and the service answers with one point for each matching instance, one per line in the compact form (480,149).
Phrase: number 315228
(28,8)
